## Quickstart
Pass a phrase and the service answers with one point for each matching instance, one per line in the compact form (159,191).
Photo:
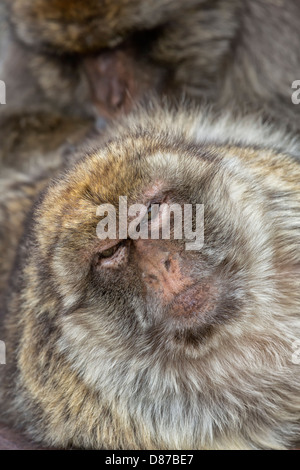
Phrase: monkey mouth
(195,304)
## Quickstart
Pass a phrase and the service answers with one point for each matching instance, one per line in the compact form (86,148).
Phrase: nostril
(151,280)
(167,264)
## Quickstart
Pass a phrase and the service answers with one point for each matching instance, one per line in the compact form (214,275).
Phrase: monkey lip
(194,302)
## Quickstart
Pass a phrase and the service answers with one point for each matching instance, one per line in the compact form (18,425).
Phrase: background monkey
(105,348)
(233,58)
(241,53)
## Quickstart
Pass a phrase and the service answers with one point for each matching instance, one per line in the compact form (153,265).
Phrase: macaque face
(154,291)
(145,340)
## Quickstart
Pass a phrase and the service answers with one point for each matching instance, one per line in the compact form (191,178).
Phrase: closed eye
(108,253)
(153,211)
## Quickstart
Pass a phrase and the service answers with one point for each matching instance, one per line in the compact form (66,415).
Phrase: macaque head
(97,51)
(73,26)
(153,241)
(159,301)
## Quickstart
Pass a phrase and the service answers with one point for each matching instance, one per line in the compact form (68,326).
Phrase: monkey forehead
(105,175)
(142,166)
(124,168)
(138,170)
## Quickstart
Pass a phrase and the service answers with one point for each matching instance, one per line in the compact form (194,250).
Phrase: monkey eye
(109,252)
(113,257)
(150,212)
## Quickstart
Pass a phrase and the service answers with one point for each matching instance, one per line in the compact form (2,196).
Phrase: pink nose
(181,297)
(160,269)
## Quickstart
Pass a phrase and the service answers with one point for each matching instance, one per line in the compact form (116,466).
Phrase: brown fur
(230,52)
(74,26)
(88,366)
(94,363)
(34,148)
